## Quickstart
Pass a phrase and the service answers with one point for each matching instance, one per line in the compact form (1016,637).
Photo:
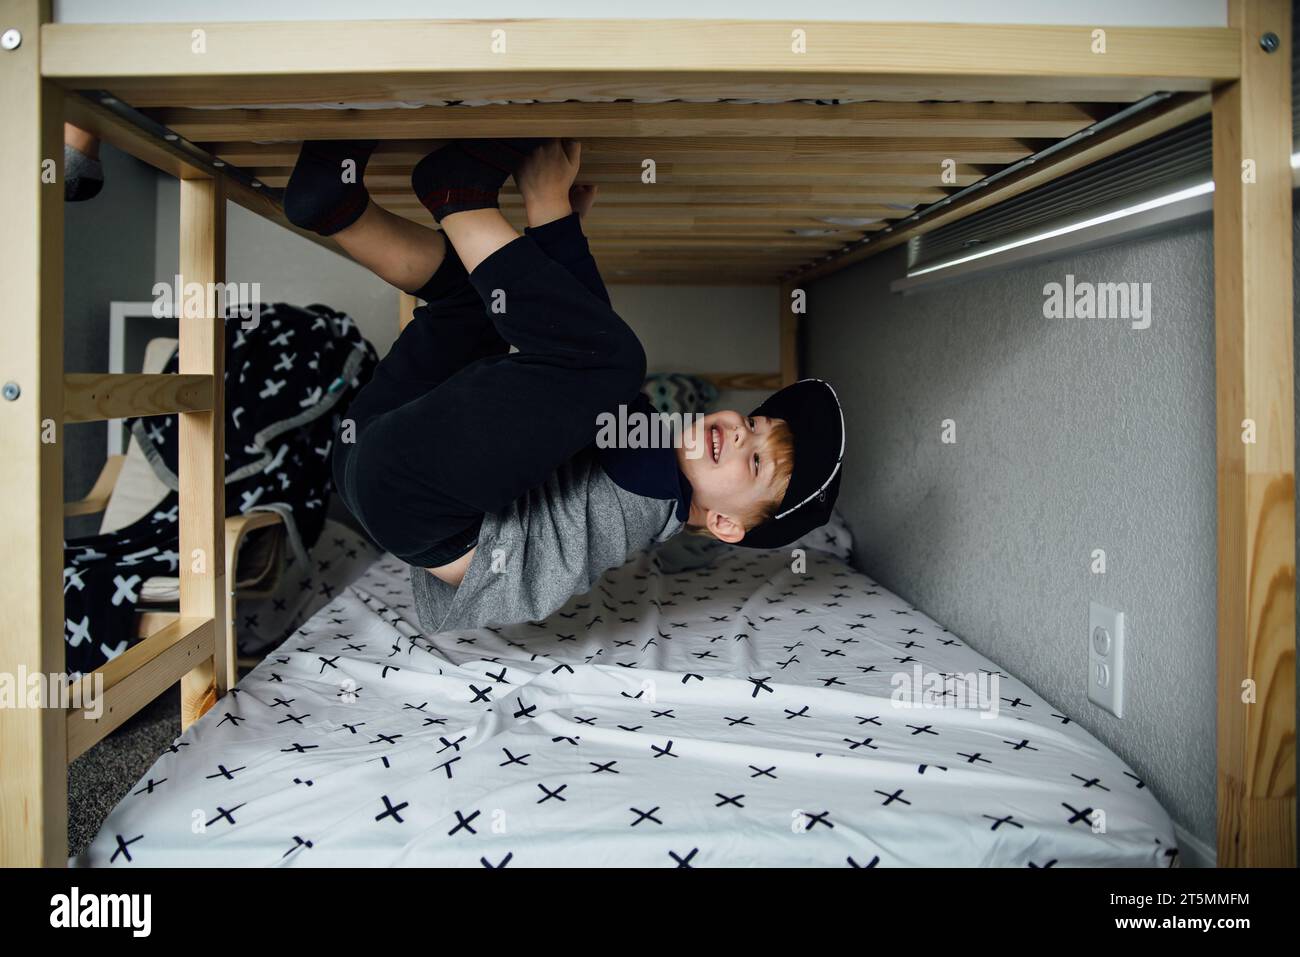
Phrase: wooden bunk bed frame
(735,180)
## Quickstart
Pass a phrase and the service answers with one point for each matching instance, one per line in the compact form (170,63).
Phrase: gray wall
(1072,435)
(108,254)
(706,329)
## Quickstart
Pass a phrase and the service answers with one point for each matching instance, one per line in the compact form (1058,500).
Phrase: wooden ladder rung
(93,396)
(136,677)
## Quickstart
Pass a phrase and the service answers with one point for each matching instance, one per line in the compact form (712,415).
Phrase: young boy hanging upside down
(479,467)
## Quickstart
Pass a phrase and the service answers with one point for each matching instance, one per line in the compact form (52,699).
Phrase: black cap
(813,412)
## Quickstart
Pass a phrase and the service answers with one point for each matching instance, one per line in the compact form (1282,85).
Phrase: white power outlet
(1106,658)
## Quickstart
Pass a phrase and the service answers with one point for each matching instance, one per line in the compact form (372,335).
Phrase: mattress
(749,712)
(1184,13)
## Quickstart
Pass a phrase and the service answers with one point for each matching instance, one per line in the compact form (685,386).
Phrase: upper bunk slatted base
(691,193)
(774,145)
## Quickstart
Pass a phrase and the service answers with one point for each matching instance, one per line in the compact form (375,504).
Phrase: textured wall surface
(1072,435)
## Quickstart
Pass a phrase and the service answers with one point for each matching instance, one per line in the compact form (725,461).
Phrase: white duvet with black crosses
(740,714)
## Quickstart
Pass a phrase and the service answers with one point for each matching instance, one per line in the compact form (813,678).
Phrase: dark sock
(467,174)
(317,198)
(83,177)
(449,276)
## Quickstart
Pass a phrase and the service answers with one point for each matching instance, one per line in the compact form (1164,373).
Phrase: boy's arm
(554,206)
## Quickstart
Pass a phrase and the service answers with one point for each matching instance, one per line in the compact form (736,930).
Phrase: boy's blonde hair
(778,445)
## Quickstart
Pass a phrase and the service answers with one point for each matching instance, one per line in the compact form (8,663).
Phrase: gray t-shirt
(549,545)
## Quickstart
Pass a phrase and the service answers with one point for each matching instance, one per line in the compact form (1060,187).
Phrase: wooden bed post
(202,447)
(33,740)
(1255,437)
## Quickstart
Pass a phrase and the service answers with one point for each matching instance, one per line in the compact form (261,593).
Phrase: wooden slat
(719,265)
(824,173)
(613,194)
(806,213)
(592,120)
(1256,480)
(771,149)
(94,396)
(735,255)
(33,778)
(659,279)
(753,230)
(761,269)
(679,244)
(320,62)
(136,677)
(750,274)
(172,630)
(1144,126)
(525,87)
(202,448)
(633,274)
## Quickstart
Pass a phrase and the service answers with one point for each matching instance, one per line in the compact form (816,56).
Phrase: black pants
(452,425)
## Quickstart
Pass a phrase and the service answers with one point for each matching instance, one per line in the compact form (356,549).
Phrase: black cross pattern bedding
(288,378)
(736,714)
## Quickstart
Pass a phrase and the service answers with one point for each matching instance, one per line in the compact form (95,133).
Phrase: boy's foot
(326,193)
(83,176)
(467,174)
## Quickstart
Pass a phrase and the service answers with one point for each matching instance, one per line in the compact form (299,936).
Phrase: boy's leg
(447,333)
(402,253)
(83,176)
(402,494)
(505,423)
(564,241)
(327,195)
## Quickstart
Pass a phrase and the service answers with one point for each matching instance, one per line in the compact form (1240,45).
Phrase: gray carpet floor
(101,777)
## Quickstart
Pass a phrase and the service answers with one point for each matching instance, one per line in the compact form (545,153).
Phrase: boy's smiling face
(743,471)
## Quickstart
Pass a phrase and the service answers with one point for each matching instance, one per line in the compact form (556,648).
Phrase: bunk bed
(782,151)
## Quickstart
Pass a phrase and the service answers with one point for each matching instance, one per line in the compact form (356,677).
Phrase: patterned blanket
(289,378)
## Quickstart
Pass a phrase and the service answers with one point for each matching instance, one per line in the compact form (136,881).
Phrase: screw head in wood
(11,391)
(1269,42)
(11,39)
